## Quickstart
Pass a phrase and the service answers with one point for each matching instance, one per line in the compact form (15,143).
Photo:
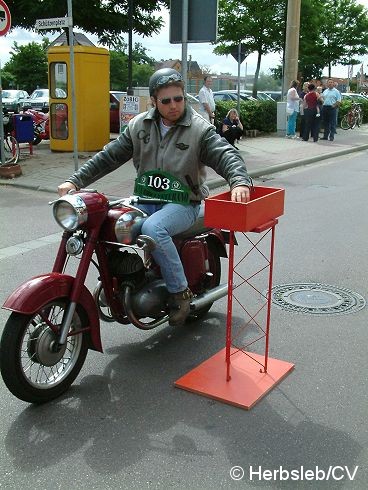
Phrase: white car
(39,99)
(353,96)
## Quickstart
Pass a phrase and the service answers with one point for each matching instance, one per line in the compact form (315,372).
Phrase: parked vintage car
(39,100)
(13,99)
(260,95)
(224,95)
(354,97)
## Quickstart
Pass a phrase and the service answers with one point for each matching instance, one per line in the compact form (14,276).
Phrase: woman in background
(292,109)
(232,128)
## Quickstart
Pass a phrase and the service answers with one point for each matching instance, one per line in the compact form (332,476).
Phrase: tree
(107,19)
(142,68)
(344,32)
(28,65)
(257,25)
(311,52)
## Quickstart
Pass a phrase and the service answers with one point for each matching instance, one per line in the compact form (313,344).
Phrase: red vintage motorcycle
(55,319)
(41,125)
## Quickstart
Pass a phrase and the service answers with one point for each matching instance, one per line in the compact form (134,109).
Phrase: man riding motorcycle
(170,145)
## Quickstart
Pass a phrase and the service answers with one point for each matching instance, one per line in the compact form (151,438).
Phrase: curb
(219,182)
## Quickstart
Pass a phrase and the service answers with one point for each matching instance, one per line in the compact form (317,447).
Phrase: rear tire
(31,370)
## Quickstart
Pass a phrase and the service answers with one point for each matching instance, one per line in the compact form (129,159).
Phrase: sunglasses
(167,100)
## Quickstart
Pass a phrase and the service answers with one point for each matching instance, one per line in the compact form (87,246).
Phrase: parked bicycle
(354,117)
(11,145)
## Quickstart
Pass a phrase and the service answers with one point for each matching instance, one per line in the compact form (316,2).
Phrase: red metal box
(266,203)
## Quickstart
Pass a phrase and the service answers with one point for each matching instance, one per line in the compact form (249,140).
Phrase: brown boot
(179,304)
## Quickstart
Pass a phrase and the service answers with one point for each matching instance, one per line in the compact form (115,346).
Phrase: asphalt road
(124,425)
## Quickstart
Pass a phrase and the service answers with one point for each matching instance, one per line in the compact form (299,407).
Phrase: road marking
(22,248)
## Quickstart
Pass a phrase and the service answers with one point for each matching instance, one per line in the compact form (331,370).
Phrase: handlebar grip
(146,200)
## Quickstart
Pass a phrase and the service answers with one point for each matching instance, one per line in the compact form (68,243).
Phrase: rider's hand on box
(240,193)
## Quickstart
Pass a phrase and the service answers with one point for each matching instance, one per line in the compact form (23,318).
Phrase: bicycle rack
(236,375)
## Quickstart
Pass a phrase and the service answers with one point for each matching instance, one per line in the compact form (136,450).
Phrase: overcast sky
(158,47)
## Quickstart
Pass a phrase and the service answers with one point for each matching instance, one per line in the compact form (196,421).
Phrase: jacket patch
(182,146)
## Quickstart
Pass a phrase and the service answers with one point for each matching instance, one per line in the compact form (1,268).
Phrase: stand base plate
(247,384)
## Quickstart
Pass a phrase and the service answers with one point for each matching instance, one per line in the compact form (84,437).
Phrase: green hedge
(259,114)
(262,114)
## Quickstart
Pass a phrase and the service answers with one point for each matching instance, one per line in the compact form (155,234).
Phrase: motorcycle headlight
(70,212)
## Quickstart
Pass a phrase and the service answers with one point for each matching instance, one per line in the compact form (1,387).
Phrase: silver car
(13,99)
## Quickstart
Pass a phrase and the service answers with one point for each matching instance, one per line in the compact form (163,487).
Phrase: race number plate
(157,184)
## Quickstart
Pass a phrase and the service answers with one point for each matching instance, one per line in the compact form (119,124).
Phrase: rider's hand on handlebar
(65,187)
(240,193)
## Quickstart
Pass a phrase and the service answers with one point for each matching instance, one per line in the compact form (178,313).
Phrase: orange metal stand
(235,375)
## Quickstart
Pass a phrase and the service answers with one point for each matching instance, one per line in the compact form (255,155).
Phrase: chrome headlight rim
(70,212)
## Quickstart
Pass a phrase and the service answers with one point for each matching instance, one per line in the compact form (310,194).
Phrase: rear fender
(216,237)
(30,296)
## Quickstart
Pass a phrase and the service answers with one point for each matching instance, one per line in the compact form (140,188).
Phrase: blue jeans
(165,221)
(291,124)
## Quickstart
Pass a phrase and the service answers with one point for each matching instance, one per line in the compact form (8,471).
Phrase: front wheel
(31,369)
(345,123)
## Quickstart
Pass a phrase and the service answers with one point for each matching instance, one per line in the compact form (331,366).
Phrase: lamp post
(130,90)
(291,43)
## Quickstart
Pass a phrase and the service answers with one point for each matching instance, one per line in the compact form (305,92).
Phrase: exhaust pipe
(210,296)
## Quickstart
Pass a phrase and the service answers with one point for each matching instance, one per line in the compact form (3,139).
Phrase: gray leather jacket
(184,152)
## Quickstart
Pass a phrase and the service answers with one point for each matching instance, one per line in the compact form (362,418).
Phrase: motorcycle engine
(149,295)
(127,267)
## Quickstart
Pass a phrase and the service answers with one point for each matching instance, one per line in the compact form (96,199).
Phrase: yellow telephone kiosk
(92,85)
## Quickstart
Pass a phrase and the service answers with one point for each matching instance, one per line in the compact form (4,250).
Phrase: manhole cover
(317,299)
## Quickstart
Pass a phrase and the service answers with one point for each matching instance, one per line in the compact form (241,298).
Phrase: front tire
(345,123)
(31,370)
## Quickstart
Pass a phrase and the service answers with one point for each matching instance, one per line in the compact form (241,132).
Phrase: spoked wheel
(215,269)
(11,149)
(359,119)
(32,370)
(346,122)
(351,119)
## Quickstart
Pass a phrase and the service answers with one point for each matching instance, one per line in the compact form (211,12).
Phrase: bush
(258,114)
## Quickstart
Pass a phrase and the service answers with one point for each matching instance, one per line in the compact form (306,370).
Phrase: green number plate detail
(161,185)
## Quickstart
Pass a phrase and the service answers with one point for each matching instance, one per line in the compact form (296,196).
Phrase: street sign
(243,53)
(5,18)
(55,23)
(202,21)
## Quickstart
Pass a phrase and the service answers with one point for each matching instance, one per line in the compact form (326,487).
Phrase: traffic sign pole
(5,23)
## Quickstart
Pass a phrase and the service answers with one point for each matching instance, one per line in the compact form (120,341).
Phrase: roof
(79,40)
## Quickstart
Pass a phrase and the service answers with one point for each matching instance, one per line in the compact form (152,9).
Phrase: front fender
(38,291)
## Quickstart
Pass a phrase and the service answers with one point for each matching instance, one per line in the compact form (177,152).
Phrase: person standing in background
(207,102)
(310,113)
(331,101)
(302,94)
(292,109)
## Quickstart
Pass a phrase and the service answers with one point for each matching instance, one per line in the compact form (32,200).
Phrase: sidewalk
(45,170)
